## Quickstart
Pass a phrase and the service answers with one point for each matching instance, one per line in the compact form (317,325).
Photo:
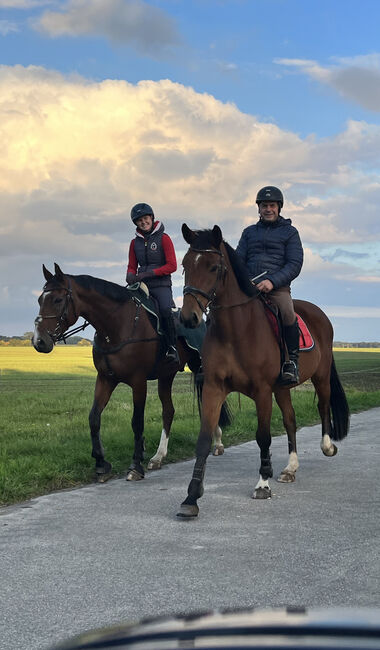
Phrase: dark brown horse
(241,353)
(126,349)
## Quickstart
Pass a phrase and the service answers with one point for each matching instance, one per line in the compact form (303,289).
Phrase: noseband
(210,297)
(59,332)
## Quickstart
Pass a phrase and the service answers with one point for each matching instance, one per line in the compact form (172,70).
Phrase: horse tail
(339,407)
(225,417)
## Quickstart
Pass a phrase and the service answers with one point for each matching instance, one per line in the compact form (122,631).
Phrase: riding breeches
(282,298)
(164,298)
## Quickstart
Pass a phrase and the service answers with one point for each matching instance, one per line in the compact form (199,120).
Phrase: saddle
(306,341)
(193,338)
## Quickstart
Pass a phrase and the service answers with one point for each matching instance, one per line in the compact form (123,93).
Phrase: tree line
(24,340)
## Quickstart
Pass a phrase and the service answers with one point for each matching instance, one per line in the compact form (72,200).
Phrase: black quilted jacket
(273,247)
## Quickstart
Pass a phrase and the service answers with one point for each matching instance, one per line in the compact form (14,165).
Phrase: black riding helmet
(270,193)
(140,210)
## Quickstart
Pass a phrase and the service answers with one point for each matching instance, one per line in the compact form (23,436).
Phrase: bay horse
(241,353)
(127,348)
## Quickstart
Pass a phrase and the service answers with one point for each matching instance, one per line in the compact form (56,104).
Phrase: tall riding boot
(170,336)
(289,370)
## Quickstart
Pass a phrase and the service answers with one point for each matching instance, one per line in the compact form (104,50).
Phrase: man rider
(272,248)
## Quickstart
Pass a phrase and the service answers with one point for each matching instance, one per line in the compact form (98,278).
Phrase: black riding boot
(289,370)
(170,336)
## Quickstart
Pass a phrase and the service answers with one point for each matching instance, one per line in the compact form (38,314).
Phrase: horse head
(204,268)
(57,310)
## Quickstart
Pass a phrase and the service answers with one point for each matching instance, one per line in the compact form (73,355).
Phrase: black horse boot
(170,336)
(289,370)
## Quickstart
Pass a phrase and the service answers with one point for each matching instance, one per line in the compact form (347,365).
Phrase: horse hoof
(330,451)
(218,450)
(262,493)
(287,477)
(154,464)
(134,475)
(188,511)
(101,478)
(103,472)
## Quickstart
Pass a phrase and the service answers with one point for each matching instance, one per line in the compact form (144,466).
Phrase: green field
(45,401)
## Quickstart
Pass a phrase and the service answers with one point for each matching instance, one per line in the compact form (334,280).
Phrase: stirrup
(172,354)
(289,373)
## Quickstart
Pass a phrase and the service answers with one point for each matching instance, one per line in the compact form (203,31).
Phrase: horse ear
(188,234)
(47,275)
(58,272)
(217,236)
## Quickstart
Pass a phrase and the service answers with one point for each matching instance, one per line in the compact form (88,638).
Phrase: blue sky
(191,106)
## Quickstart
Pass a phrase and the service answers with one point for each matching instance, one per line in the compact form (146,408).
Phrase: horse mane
(104,287)
(241,272)
(204,239)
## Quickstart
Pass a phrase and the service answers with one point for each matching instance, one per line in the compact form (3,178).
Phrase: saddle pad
(306,339)
(193,337)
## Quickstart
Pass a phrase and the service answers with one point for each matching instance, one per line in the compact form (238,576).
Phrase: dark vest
(150,255)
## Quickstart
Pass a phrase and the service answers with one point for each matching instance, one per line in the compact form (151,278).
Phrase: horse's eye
(214,268)
(57,300)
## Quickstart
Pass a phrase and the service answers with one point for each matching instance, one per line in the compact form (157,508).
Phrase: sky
(191,106)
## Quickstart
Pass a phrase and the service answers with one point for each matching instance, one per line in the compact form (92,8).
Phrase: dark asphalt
(94,556)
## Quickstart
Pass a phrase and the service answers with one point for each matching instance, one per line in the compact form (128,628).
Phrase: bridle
(59,333)
(211,295)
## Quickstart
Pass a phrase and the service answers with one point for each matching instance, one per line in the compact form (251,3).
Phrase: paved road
(90,557)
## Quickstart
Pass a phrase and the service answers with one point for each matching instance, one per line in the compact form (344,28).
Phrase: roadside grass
(45,401)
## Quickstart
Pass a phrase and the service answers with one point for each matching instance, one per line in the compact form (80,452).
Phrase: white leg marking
(162,450)
(293,463)
(262,483)
(327,446)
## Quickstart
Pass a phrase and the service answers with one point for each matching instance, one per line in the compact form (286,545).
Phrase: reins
(211,296)
(59,334)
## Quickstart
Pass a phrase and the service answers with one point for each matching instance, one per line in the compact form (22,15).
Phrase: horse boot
(170,336)
(289,371)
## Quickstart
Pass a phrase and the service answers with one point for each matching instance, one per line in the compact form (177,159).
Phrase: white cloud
(129,22)
(341,311)
(24,4)
(356,79)
(7,27)
(76,155)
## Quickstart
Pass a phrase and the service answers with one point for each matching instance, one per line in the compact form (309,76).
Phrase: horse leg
(284,400)
(323,390)
(136,471)
(103,390)
(212,400)
(218,449)
(165,395)
(263,438)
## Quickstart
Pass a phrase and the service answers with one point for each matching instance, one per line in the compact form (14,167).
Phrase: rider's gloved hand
(131,278)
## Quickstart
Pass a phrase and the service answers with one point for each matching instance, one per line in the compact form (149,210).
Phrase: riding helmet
(270,193)
(140,210)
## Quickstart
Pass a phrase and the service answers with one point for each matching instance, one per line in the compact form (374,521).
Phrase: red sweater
(166,269)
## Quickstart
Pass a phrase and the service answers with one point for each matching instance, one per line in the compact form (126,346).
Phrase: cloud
(356,79)
(7,27)
(352,312)
(76,155)
(127,22)
(24,4)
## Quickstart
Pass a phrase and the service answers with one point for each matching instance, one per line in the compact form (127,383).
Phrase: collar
(156,227)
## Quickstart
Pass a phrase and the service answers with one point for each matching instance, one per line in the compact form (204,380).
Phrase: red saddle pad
(306,339)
